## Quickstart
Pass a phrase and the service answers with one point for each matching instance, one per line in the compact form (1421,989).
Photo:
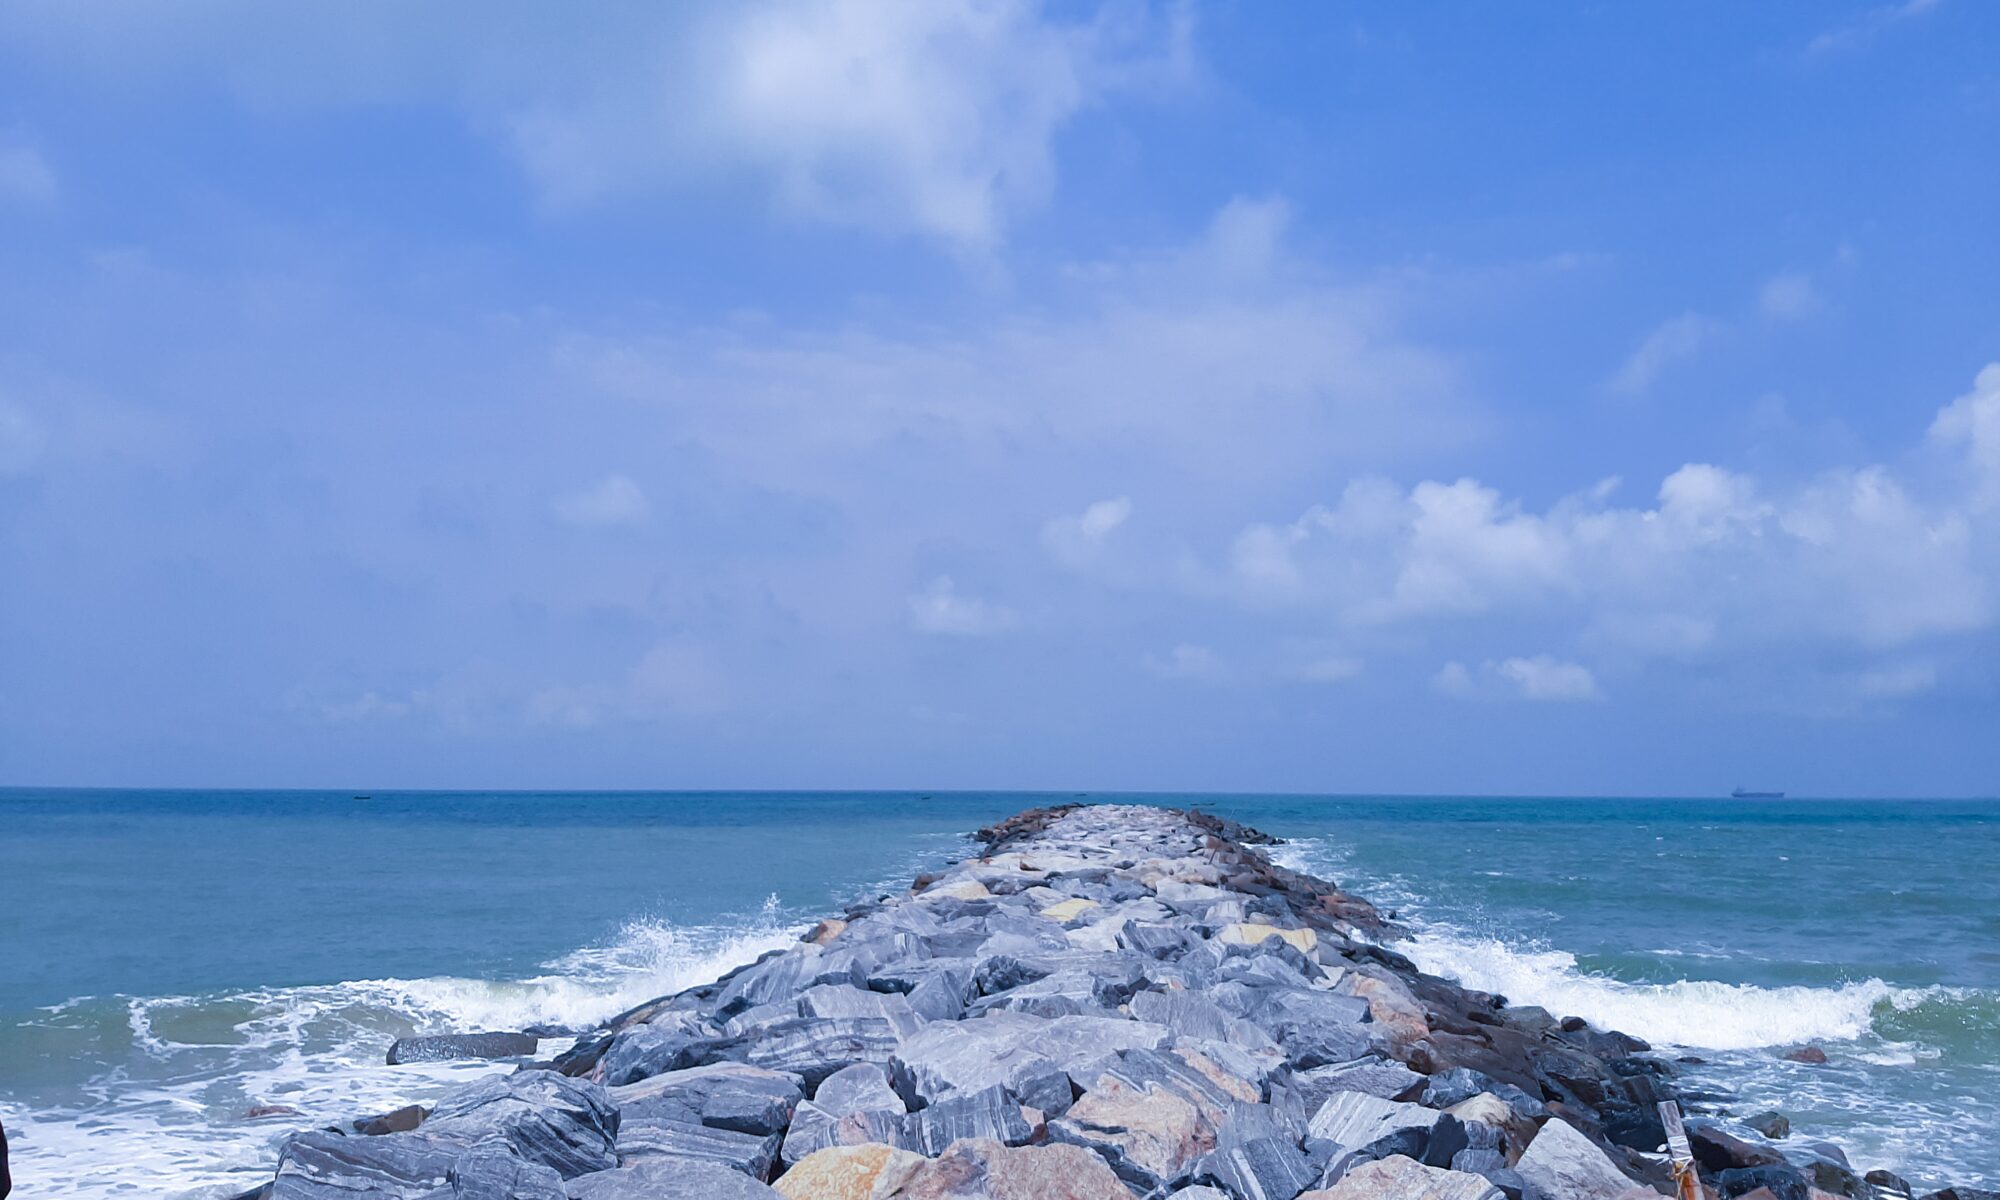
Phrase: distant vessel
(1740,794)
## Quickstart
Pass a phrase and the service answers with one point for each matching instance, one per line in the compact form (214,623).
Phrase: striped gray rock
(644,1139)
(670,1179)
(563,1123)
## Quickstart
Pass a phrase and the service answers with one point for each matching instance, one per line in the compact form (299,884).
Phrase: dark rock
(1806,1054)
(493,1174)
(451,1046)
(1719,1151)
(1782,1182)
(402,1120)
(1960,1192)
(1894,1186)
(654,1050)
(1772,1125)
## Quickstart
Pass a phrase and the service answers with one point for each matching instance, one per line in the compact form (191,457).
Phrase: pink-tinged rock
(849,1173)
(1400,1178)
(981,1169)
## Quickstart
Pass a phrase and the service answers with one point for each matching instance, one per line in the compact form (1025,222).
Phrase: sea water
(173,964)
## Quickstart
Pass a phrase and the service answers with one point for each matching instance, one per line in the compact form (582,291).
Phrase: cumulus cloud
(1672,341)
(1864,561)
(613,500)
(1075,539)
(1790,296)
(941,609)
(1545,677)
(933,117)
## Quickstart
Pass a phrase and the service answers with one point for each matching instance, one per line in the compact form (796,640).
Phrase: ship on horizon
(1745,794)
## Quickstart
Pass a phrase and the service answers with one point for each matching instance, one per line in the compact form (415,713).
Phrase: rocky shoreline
(1107,1002)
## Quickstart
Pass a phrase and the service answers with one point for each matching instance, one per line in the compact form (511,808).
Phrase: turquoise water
(171,960)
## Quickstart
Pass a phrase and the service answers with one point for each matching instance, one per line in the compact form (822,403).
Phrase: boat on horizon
(1743,794)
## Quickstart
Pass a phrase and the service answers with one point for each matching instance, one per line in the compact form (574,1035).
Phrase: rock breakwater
(1106,1003)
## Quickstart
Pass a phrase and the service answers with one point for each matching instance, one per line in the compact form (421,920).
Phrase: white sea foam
(169,1120)
(1694,1013)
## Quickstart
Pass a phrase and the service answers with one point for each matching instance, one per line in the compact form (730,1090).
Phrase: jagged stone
(1030,1056)
(568,1124)
(813,1048)
(668,1179)
(1399,1178)
(848,1173)
(1264,1168)
(1563,1162)
(733,1096)
(986,1170)
(495,1174)
(990,1113)
(1353,1120)
(643,1138)
(861,1087)
(398,1166)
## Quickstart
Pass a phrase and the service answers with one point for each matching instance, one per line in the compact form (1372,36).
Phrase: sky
(1545,398)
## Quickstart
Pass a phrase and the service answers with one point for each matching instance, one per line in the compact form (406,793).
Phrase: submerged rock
(451,1046)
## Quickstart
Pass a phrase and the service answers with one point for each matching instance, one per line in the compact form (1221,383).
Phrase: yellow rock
(848,1173)
(964,889)
(1068,910)
(1252,933)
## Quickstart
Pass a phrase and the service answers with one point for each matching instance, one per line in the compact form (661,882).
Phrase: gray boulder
(563,1123)
(1563,1162)
(327,1166)
(813,1048)
(494,1174)
(452,1046)
(670,1179)
(988,1113)
(733,1096)
(644,1139)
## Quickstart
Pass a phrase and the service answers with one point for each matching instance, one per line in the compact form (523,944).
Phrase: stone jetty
(1105,1003)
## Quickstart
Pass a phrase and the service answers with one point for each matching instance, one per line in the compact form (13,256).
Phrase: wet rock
(848,1173)
(1399,1178)
(650,1050)
(563,1123)
(401,1120)
(1812,1055)
(1963,1193)
(1888,1184)
(1719,1151)
(1563,1162)
(1784,1183)
(452,1046)
(985,1170)
(668,1179)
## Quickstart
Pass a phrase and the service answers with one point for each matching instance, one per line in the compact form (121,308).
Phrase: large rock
(642,1139)
(1260,1168)
(328,1166)
(447,1047)
(727,1095)
(1353,1120)
(987,1170)
(849,1173)
(1562,1162)
(1029,1056)
(1399,1178)
(495,1174)
(667,1179)
(563,1123)
(990,1113)
(813,1048)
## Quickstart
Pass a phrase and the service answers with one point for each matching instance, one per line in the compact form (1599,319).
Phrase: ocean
(175,963)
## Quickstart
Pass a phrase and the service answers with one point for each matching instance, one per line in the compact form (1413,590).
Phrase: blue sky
(1503,398)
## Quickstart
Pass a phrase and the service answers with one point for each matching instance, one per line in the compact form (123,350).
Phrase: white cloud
(1187,662)
(25,176)
(933,117)
(1075,540)
(1453,679)
(1672,341)
(1859,563)
(1544,677)
(940,609)
(1789,297)
(613,500)
(1863,29)
(1334,668)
